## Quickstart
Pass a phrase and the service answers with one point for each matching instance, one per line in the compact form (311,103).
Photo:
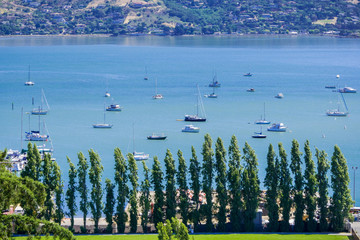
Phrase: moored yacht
(277,127)
(139,156)
(35,136)
(114,108)
(347,90)
(155,136)
(190,129)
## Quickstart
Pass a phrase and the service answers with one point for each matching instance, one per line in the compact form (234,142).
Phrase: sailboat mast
(133,138)
(155,86)
(344,102)
(29,74)
(264,111)
(21,136)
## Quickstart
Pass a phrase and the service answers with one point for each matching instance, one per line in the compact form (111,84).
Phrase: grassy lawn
(217,236)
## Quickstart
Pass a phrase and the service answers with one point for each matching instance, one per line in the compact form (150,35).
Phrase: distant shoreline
(154,35)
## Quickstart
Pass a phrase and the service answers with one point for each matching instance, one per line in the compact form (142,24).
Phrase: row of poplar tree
(228,179)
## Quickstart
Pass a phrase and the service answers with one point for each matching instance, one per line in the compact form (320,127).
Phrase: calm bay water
(75,72)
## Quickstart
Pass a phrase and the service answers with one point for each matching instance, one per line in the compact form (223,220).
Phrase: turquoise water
(75,72)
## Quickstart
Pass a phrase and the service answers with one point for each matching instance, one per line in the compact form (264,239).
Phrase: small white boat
(250,90)
(277,127)
(40,110)
(155,136)
(211,95)
(279,95)
(197,118)
(262,120)
(102,125)
(157,95)
(139,156)
(190,129)
(35,136)
(347,90)
(114,108)
(336,113)
(28,82)
(258,134)
(107,94)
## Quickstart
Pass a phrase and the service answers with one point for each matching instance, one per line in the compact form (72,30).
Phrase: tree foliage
(71,194)
(145,197)
(271,184)
(109,204)
(251,187)
(341,200)
(195,172)
(157,181)
(310,188)
(82,187)
(95,173)
(170,192)
(322,179)
(133,178)
(122,189)
(234,180)
(183,187)
(295,167)
(208,176)
(285,188)
(221,181)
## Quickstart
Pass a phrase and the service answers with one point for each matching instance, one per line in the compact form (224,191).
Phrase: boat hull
(262,122)
(113,109)
(156,138)
(102,125)
(194,119)
(41,112)
(258,136)
(276,130)
(191,131)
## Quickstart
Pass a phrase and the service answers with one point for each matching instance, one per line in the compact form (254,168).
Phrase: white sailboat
(146,74)
(337,112)
(262,120)
(103,125)
(157,95)
(40,110)
(197,118)
(28,82)
(138,156)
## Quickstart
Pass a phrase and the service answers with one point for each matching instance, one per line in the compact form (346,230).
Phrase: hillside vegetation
(178,17)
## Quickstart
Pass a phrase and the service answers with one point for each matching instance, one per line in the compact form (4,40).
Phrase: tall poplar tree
(38,162)
(121,179)
(170,185)
(145,197)
(30,167)
(284,187)
(271,184)
(82,187)
(234,179)
(157,181)
(323,184)
(295,167)
(251,186)
(208,176)
(341,200)
(220,179)
(133,177)
(310,188)
(95,173)
(49,181)
(71,194)
(195,172)
(59,192)
(182,183)
(109,204)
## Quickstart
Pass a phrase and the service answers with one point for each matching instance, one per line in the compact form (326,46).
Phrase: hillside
(178,17)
